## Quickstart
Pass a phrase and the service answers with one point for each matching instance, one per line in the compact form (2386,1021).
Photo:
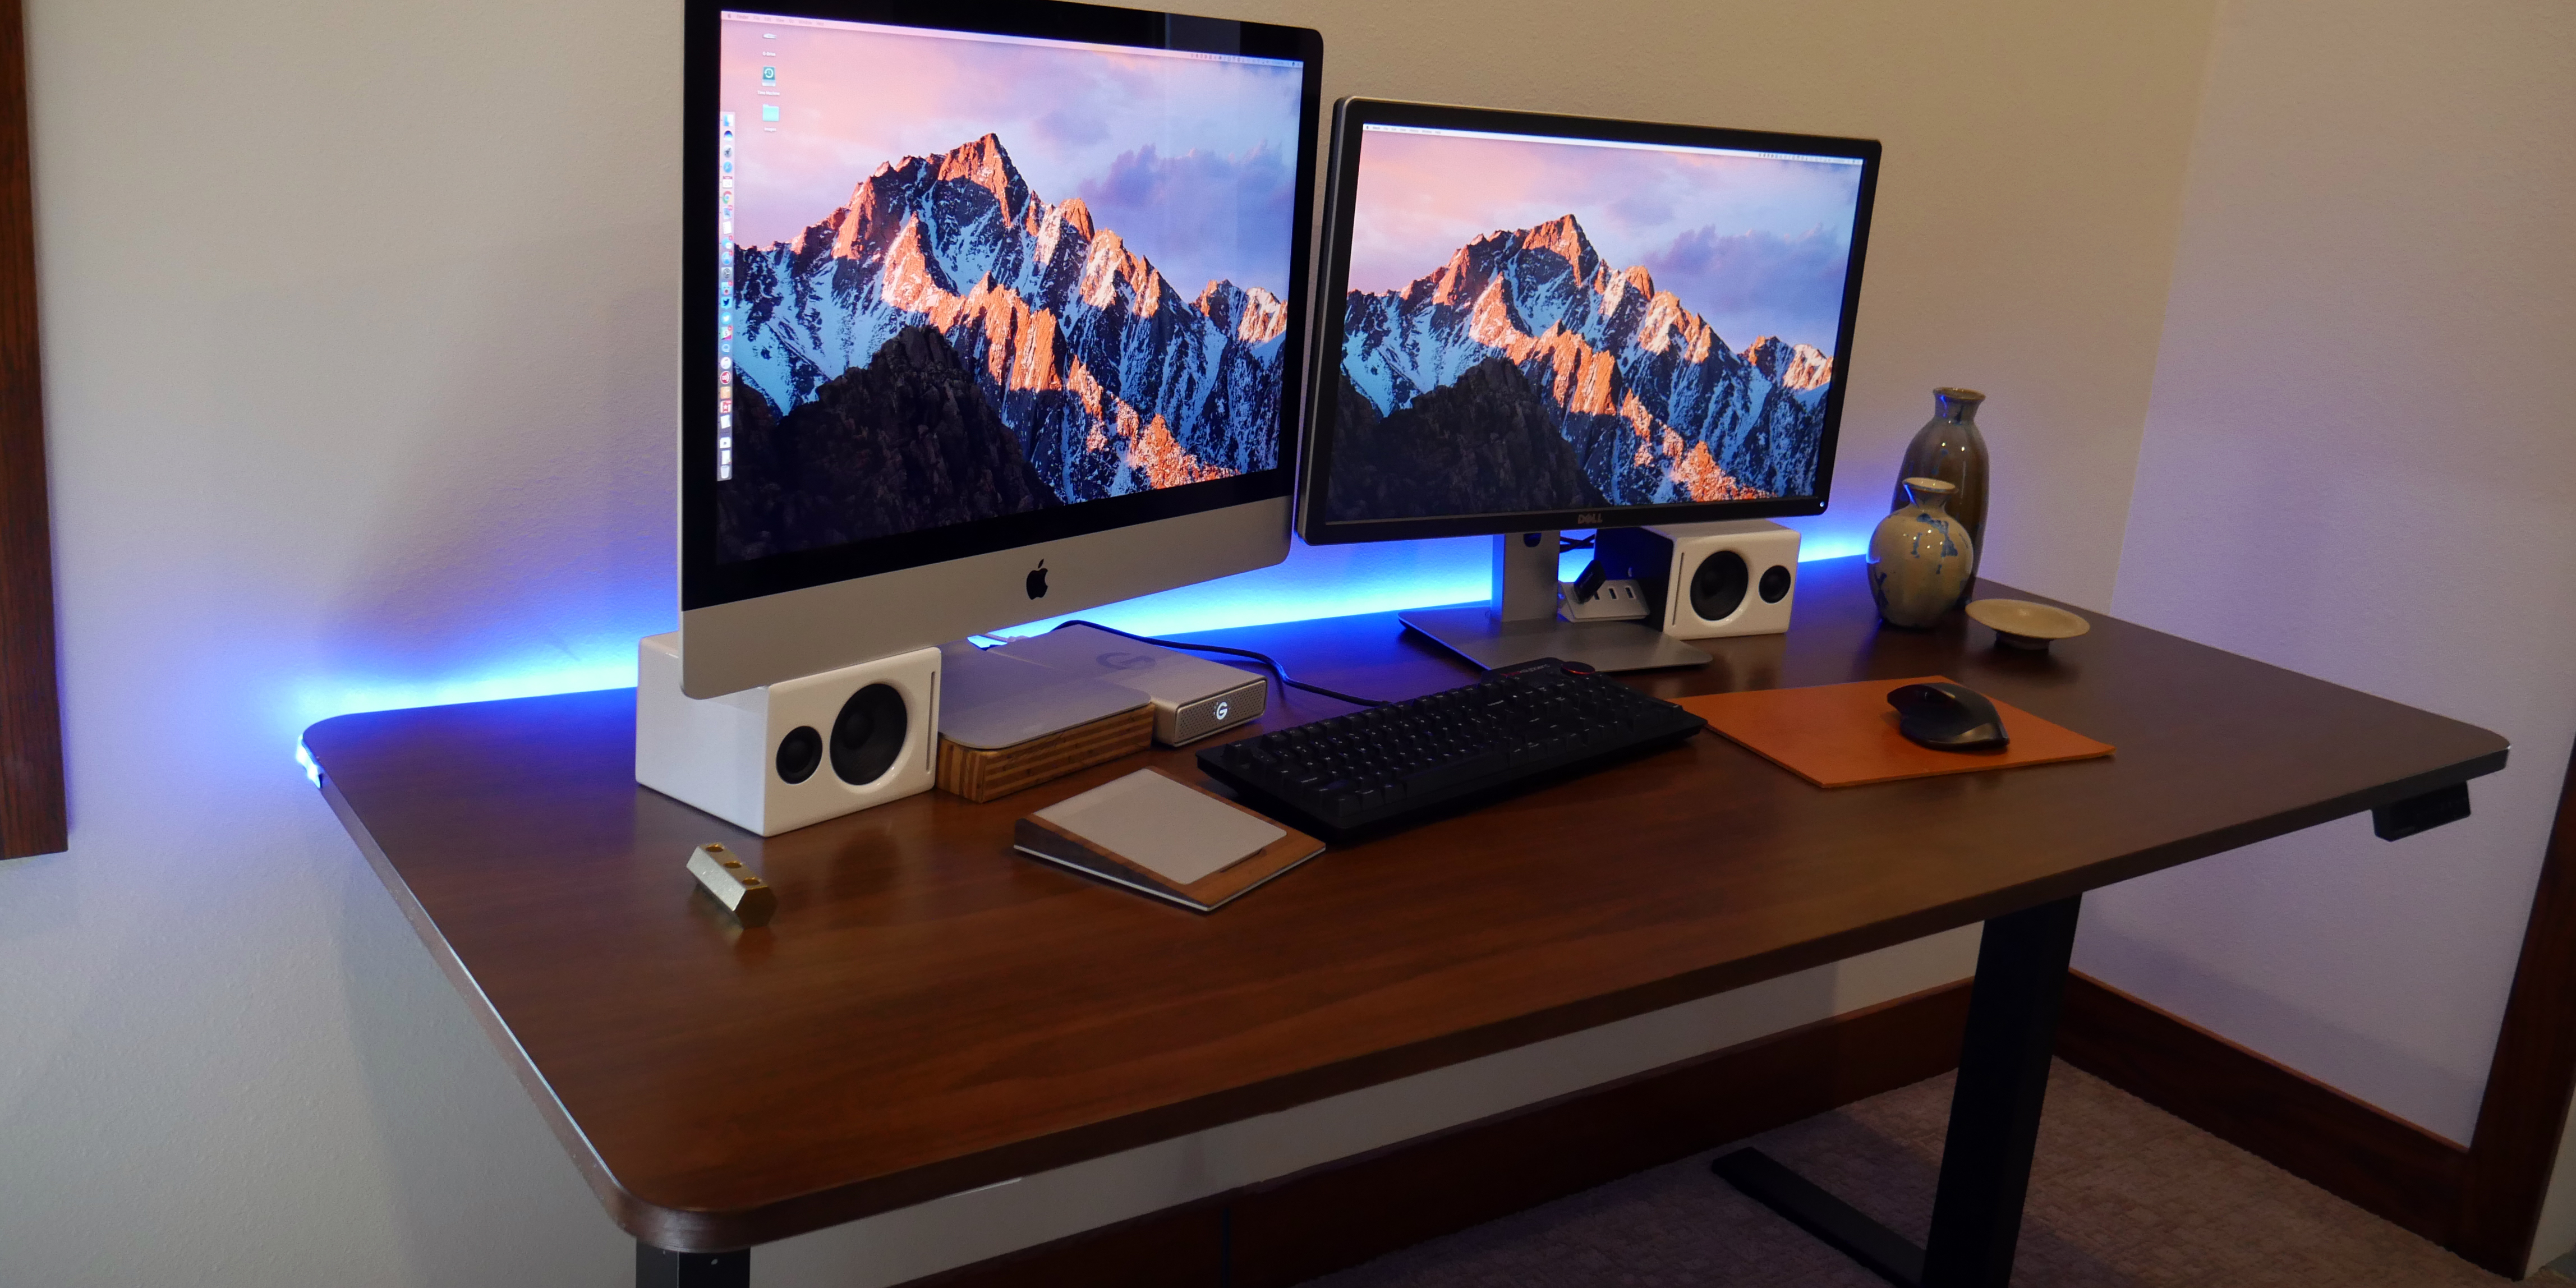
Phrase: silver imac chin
(957,351)
(726,648)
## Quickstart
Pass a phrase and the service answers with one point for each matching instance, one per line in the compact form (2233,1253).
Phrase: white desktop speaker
(1704,580)
(800,751)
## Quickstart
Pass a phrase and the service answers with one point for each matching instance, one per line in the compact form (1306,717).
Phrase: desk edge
(703,1230)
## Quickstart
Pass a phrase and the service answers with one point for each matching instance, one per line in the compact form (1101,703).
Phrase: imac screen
(972,276)
(1546,323)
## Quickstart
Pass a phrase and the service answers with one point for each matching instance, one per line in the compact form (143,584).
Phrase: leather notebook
(1159,836)
(1844,735)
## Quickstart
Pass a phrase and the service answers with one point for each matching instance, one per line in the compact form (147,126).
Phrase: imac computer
(1537,323)
(991,311)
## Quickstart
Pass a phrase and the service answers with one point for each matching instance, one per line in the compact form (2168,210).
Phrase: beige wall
(359,338)
(2025,220)
(2356,465)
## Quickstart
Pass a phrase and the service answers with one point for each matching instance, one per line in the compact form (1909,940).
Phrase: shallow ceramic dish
(2019,623)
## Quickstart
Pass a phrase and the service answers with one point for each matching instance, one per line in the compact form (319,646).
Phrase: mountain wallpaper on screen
(1456,450)
(1107,380)
(1651,404)
(903,443)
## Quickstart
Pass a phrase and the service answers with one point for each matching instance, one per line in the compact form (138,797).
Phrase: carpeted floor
(2122,1194)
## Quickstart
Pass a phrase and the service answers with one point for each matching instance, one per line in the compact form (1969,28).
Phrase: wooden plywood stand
(988,775)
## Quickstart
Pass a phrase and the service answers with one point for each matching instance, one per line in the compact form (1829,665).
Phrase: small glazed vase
(1920,557)
(1950,448)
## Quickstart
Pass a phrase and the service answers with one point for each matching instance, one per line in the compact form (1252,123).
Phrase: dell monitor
(1550,322)
(991,311)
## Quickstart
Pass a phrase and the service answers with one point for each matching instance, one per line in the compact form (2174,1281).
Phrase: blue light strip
(1313,582)
(320,700)
(1337,581)
(602,663)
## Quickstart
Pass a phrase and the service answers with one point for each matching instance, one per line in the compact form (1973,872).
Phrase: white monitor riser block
(781,756)
(1520,623)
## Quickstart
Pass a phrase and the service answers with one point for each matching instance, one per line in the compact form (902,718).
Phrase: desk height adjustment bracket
(2421,813)
(663,1268)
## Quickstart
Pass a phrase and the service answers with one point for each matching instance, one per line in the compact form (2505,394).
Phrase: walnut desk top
(931,1012)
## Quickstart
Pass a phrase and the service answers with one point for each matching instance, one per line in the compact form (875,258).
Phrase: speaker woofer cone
(1717,586)
(868,735)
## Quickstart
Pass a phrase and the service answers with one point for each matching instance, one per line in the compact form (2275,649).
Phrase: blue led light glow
(1313,582)
(1831,543)
(304,757)
(1336,581)
(323,701)
(600,663)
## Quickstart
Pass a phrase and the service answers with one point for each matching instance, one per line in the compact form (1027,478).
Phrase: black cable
(1263,658)
(1589,584)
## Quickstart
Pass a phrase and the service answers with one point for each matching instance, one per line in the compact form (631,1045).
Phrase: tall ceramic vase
(1920,557)
(1950,448)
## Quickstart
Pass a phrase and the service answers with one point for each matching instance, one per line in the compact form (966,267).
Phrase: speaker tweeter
(800,753)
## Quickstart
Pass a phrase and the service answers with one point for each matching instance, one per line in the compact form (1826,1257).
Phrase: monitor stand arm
(1525,576)
(1520,623)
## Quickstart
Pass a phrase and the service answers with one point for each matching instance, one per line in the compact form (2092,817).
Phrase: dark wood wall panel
(2525,1110)
(2375,1161)
(32,819)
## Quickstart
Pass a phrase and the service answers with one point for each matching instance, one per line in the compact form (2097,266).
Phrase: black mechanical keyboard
(1384,767)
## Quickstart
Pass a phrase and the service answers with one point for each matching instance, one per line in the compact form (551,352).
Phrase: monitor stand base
(1520,623)
(1476,634)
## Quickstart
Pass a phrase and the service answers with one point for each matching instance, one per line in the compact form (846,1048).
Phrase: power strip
(1618,600)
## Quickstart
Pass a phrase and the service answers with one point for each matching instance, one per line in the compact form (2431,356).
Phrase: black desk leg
(1994,1123)
(1994,1110)
(663,1268)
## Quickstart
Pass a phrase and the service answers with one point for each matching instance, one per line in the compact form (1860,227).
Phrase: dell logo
(1588,519)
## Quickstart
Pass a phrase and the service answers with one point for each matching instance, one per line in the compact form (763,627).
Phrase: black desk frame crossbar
(1994,1123)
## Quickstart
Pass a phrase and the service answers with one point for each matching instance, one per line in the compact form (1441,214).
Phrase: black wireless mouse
(1948,717)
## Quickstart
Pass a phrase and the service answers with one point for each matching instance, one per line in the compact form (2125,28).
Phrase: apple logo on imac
(1037,581)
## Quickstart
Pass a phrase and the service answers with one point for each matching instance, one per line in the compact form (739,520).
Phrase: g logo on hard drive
(1222,709)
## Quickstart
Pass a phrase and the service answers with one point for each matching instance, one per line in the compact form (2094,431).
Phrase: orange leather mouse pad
(1843,735)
